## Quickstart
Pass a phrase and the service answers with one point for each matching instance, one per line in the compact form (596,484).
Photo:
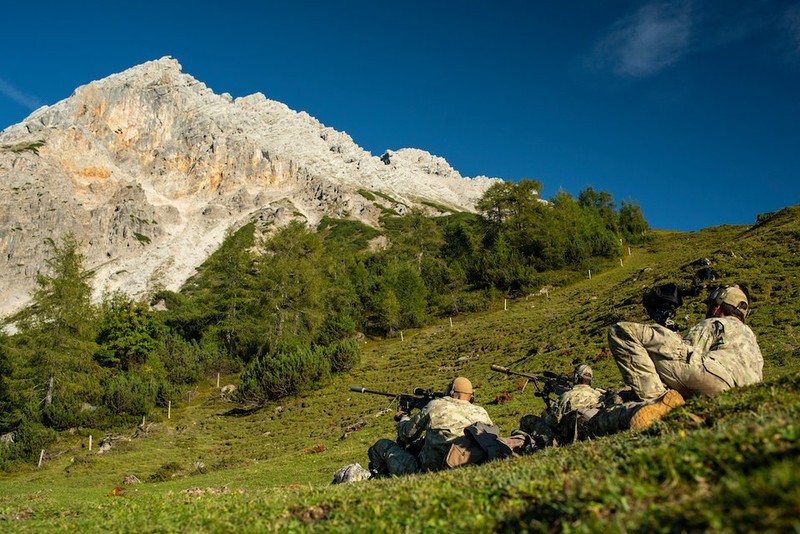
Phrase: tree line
(284,309)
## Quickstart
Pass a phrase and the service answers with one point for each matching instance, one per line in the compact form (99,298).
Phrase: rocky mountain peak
(149,168)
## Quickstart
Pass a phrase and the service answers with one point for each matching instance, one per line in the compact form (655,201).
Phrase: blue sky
(690,108)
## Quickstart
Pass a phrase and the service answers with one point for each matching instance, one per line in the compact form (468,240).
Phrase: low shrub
(343,355)
(271,377)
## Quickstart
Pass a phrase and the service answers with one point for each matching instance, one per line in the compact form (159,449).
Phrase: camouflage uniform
(560,422)
(717,354)
(582,397)
(613,417)
(442,420)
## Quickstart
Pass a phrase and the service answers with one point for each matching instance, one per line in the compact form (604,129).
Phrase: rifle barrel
(359,389)
(506,370)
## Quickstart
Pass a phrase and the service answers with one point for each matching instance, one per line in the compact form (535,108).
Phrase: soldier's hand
(399,415)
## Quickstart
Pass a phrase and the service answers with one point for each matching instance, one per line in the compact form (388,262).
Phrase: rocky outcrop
(149,168)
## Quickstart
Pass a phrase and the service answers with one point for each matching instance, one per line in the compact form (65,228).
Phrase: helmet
(583,374)
(733,295)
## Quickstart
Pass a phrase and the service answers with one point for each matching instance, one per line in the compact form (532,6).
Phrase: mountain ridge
(149,168)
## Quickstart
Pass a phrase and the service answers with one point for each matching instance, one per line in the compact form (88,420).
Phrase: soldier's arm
(705,336)
(410,429)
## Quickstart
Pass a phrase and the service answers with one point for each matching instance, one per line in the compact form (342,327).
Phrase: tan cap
(732,295)
(462,385)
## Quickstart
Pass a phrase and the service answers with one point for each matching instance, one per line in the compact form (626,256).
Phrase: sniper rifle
(406,403)
(553,383)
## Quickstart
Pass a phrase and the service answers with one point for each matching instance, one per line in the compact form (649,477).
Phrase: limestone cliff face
(149,168)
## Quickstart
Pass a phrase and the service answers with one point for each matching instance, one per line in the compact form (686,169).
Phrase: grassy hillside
(726,463)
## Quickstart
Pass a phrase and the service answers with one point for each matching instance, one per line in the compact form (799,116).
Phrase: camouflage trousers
(652,358)
(612,418)
(571,428)
(388,458)
(536,426)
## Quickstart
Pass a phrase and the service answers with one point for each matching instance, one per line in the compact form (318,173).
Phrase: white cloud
(12,93)
(653,38)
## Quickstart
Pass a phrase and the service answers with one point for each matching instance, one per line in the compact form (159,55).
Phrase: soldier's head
(461,389)
(728,301)
(583,375)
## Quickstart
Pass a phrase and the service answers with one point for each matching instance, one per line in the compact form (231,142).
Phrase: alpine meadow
(187,454)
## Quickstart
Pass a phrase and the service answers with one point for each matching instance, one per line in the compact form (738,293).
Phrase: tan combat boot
(649,413)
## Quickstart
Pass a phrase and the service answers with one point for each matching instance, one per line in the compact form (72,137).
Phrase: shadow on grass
(240,412)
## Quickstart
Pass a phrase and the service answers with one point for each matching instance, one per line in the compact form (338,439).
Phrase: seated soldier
(436,426)
(562,423)
(719,353)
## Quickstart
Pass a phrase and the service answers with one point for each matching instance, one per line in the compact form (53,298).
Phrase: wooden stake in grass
(451,322)
(41,457)
(169,409)
(590,274)
(217,379)
(505,304)
(401,336)
(629,251)
(90,442)
(620,262)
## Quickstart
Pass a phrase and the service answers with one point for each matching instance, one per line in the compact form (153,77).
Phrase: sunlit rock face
(149,168)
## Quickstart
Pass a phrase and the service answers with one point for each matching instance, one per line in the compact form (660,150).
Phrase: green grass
(143,239)
(30,146)
(728,463)
(439,207)
(346,233)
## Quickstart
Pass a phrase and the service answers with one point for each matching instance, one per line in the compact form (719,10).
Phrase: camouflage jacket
(442,420)
(581,396)
(728,349)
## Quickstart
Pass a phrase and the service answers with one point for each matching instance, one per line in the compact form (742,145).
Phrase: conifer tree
(58,328)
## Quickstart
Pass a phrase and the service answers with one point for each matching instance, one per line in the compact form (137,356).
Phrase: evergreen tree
(631,221)
(292,286)
(57,330)
(509,201)
(128,334)
(7,408)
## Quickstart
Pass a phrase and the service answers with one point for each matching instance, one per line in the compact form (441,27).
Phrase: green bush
(30,438)
(62,414)
(128,333)
(336,328)
(286,373)
(129,394)
(343,355)
(183,360)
